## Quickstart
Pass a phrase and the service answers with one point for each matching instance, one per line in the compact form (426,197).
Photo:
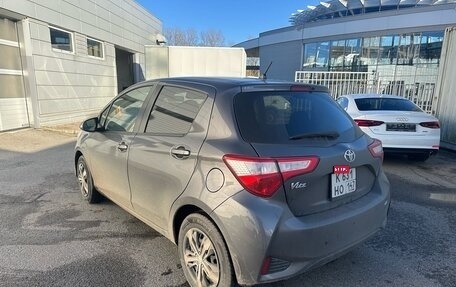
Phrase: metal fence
(417,85)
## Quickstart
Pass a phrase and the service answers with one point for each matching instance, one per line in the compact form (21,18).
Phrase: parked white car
(400,124)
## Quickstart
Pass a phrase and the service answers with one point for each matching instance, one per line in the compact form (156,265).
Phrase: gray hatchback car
(254,180)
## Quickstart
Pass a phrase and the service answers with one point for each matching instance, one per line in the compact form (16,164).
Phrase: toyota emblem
(349,155)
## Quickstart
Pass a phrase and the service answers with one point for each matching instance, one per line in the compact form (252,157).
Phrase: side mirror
(90,125)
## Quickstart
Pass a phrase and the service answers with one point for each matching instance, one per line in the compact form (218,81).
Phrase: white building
(62,60)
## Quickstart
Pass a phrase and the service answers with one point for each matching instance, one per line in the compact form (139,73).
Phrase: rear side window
(283,117)
(386,104)
(343,102)
(174,111)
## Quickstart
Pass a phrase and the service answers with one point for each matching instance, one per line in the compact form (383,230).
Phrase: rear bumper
(411,151)
(256,229)
(407,140)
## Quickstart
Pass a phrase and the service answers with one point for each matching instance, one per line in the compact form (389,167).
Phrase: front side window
(124,110)
(174,111)
(94,48)
(61,40)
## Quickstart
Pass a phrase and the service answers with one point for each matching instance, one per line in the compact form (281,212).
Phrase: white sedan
(401,125)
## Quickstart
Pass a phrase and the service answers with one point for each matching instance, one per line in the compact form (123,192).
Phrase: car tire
(203,253)
(85,181)
(419,156)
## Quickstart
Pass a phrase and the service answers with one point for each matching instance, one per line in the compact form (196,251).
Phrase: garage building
(62,60)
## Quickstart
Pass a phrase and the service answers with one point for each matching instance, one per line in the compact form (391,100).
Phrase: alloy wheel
(201,258)
(83,179)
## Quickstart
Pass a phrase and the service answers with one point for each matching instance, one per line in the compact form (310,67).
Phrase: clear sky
(238,20)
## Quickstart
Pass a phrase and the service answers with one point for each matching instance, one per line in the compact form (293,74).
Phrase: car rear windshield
(386,104)
(285,116)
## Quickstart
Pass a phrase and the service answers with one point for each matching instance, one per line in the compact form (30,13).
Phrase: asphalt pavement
(50,237)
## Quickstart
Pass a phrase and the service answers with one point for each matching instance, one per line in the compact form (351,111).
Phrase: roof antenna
(264,76)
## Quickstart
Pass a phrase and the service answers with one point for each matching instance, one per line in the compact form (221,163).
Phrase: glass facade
(369,54)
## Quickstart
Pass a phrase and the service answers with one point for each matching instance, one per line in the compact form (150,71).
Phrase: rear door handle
(180,152)
(122,147)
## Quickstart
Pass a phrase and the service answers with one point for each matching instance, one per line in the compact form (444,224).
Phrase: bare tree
(179,37)
(212,38)
(189,37)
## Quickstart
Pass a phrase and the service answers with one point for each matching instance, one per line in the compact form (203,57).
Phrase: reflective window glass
(388,50)
(337,53)
(61,40)
(351,54)
(322,56)
(174,111)
(408,49)
(94,48)
(431,47)
(284,117)
(316,55)
(309,55)
(124,110)
(370,51)
(386,104)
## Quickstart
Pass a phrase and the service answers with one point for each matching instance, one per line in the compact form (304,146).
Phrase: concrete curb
(69,129)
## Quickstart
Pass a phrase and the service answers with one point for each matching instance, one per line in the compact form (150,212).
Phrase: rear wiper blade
(332,135)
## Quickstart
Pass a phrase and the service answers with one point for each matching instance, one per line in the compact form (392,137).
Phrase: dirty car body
(255,181)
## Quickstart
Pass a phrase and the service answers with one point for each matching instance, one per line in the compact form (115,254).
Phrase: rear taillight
(368,123)
(431,125)
(265,267)
(376,149)
(263,176)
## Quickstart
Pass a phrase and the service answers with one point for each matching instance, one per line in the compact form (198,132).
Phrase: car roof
(222,83)
(372,95)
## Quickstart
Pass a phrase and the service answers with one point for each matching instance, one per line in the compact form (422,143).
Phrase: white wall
(122,22)
(67,87)
(179,61)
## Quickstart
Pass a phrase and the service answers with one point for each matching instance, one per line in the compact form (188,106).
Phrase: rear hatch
(284,125)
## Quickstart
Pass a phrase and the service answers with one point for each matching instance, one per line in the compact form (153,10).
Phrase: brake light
(431,125)
(265,267)
(376,149)
(264,176)
(368,123)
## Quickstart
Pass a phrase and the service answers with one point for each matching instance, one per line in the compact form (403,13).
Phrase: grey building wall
(277,42)
(64,87)
(285,59)
(69,86)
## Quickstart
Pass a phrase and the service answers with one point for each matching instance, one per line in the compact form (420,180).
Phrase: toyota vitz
(254,180)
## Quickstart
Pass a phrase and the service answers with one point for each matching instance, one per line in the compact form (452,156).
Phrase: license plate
(401,127)
(343,183)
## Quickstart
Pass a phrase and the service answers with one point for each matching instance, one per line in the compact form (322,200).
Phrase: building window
(94,48)
(61,40)
(316,55)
